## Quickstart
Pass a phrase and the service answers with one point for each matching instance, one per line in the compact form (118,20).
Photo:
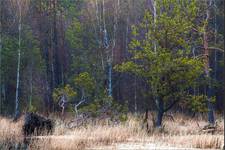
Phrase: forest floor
(181,133)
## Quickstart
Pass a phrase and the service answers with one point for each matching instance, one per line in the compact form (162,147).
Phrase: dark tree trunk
(211,118)
(146,119)
(159,119)
(160,107)
(1,2)
(56,53)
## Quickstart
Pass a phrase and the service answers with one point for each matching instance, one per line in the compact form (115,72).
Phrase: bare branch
(78,104)
(216,48)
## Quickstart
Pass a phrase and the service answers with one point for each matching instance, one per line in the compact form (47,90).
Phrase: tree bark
(18,61)
(31,83)
(160,112)
(211,118)
(1,4)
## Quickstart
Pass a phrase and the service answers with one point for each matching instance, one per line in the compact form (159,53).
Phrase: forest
(135,68)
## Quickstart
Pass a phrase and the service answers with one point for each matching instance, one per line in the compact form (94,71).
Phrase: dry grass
(182,132)
(184,125)
(10,130)
(92,135)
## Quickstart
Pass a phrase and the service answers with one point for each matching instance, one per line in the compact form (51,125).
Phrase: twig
(76,105)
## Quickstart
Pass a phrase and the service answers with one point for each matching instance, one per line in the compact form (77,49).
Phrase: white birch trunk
(18,59)
(154,43)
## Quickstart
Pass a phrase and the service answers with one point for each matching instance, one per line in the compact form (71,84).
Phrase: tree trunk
(146,120)
(135,95)
(110,57)
(154,12)
(1,3)
(211,119)
(160,112)
(215,51)
(31,83)
(160,101)
(18,63)
(110,80)
(159,119)
(56,52)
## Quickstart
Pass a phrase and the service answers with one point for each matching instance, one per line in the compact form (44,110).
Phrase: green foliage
(72,7)
(32,108)
(83,46)
(169,69)
(65,46)
(31,63)
(74,34)
(67,90)
(108,106)
(198,103)
(9,58)
(31,53)
(84,49)
(85,81)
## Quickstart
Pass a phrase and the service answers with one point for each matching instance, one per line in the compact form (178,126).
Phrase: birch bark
(18,58)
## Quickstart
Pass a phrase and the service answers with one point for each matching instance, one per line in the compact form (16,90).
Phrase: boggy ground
(181,133)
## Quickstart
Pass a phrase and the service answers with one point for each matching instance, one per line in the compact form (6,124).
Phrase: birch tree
(21,7)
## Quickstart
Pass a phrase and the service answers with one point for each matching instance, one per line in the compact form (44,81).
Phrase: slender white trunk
(83,99)
(155,50)
(98,18)
(110,61)
(106,46)
(18,61)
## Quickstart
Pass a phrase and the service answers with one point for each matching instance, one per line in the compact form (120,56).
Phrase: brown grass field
(182,133)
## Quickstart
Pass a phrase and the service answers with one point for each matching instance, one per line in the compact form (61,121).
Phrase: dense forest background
(58,54)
